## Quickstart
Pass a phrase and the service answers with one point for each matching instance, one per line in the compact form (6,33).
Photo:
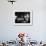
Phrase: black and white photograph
(22,22)
(23,18)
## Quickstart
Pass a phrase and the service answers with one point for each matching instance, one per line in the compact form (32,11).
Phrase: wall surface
(8,31)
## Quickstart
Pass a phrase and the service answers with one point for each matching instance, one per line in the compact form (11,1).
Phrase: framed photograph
(23,18)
